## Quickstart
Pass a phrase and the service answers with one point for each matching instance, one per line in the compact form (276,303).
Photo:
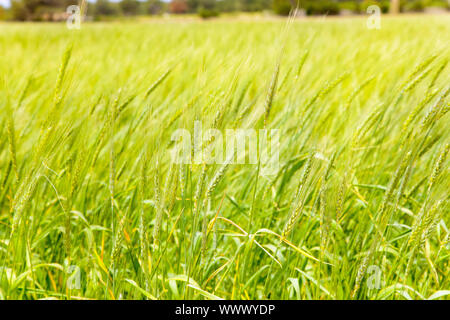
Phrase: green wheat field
(92,207)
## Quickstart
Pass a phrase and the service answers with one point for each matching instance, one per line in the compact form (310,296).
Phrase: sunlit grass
(88,188)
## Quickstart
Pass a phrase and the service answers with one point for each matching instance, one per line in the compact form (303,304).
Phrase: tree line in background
(54,10)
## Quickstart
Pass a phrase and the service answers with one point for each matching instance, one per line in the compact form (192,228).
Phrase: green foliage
(321,7)
(88,186)
(105,8)
(19,11)
(207,13)
(255,5)
(282,7)
(38,10)
(383,4)
(416,6)
(353,6)
(437,3)
(129,7)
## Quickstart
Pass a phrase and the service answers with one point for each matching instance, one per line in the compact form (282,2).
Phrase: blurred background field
(54,10)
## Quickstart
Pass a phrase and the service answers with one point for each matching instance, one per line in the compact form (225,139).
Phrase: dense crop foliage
(91,205)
